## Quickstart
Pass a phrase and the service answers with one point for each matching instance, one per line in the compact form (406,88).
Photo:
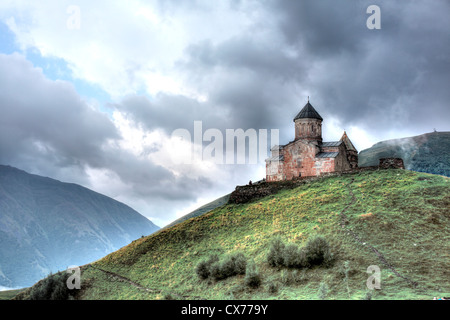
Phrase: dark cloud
(373,78)
(46,128)
(40,116)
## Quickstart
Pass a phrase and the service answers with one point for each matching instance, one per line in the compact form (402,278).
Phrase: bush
(54,287)
(275,257)
(217,271)
(272,287)
(291,256)
(203,268)
(252,276)
(231,265)
(316,252)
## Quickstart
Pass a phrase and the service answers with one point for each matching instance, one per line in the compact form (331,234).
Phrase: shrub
(252,276)
(235,264)
(275,257)
(291,256)
(317,251)
(229,266)
(53,287)
(217,271)
(272,287)
(203,268)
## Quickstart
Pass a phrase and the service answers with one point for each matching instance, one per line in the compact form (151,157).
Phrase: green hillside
(428,153)
(396,219)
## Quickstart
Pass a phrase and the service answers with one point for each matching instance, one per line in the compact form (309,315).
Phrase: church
(308,155)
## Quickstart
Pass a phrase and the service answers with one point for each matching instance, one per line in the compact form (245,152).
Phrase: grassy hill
(428,152)
(396,219)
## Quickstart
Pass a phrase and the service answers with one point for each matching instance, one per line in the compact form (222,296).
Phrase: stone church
(308,155)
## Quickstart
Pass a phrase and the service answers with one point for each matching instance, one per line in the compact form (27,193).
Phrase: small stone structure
(308,155)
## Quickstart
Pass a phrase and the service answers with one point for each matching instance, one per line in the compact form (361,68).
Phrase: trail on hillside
(146,289)
(357,238)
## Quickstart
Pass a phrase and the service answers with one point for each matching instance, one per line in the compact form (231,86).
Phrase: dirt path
(140,287)
(356,237)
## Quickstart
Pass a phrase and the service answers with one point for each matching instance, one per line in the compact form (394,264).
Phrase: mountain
(47,225)
(393,219)
(203,209)
(428,152)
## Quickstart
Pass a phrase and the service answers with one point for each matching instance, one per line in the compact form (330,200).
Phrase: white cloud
(125,47)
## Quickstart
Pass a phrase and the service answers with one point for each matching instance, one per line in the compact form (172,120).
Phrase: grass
(401,213)
(9,294)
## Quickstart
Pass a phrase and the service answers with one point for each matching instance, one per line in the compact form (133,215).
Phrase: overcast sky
(91,91)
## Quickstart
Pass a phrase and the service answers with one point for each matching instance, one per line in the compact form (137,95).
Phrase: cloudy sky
(91,91)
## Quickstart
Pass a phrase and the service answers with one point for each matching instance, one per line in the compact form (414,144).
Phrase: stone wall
(247,193)
(391,163)
(244,194)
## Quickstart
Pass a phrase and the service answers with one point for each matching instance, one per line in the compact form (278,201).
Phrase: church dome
(309,112)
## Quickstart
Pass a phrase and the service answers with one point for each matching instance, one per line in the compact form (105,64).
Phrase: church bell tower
(308,124)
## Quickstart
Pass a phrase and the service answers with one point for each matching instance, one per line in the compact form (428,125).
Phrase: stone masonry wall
(394,163)
(247,193)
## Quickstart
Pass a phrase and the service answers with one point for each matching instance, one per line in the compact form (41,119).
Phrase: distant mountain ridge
(47,225)
(202,210)
(428,152)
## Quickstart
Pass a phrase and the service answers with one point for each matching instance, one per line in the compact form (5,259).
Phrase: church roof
(348,144)
(308,111)
(327,154)
(331,144)
(275,158)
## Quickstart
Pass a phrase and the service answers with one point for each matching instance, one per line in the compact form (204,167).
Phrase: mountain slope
(395,219)
(203,209)
(47,225)
(428,152)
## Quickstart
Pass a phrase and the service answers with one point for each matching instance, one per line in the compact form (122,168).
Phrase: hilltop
(428,152)
(47,225)
(395,219)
